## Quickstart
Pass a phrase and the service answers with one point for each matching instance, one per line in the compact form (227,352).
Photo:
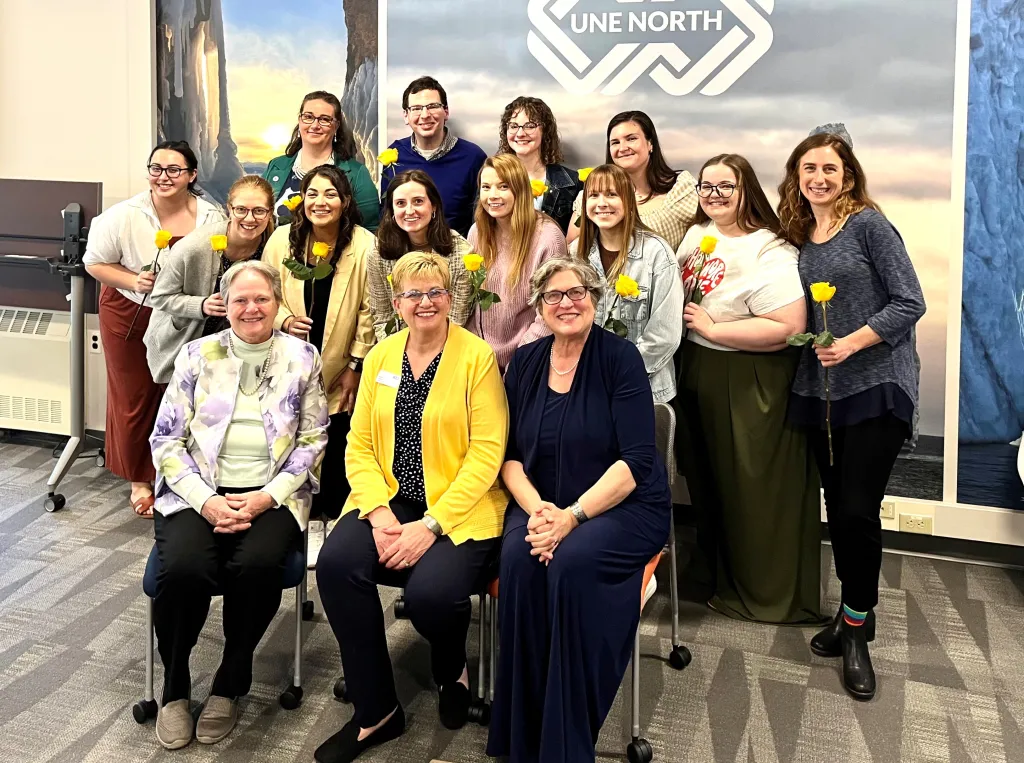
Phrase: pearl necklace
(261,372)
(562,373)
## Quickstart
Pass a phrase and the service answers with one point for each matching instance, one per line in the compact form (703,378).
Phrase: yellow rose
(472,262)
(388,156)
(321,250)
(293,203)
(390,282)
(163,238)
(219,243)
(822,291)
(708,244)
(538,187)
(585,173)
(626,286)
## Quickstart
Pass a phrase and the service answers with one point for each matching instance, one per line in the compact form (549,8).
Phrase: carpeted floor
(950,659)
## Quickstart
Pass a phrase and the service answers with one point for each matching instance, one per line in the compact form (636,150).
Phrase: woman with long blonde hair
(514,239)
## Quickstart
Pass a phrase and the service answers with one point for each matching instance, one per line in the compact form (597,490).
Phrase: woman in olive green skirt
(751,477)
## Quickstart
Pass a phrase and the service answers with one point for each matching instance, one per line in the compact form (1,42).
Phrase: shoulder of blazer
(362,242)
(280,164)
(276,249)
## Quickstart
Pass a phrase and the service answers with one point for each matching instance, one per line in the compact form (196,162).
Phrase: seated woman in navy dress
(590,507)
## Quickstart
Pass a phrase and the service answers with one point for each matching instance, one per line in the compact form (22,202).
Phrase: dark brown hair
(795,213)
(538,111)
(753,211)
(392,241)
(420,84)
(660,177)
(344,146)
(302,228)
(191,163)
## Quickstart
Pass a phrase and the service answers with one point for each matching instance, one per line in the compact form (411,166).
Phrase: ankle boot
(826,643)
(858,675)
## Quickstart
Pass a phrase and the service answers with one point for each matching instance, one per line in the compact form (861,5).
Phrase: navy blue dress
(567,629)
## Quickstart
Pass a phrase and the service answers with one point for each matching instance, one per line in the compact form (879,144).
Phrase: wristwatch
(433,525)
(577,511)
(356,364)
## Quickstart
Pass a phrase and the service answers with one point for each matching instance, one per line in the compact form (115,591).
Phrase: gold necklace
(261,372)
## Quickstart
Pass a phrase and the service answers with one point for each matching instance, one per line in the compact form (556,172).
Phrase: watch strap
(577,511)
(433,525)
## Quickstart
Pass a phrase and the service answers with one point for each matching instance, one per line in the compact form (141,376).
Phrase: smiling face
(525,143)
(423,314)
(323,204)
(165,186)
(412,209)
(251,307)
(717,180)
(496,195)
(605,208)
(821,176)
(315,135)
(250,227)
(426,123)
(567,318)
(629,147)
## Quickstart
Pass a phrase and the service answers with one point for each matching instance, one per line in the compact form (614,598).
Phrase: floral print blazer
(197,407)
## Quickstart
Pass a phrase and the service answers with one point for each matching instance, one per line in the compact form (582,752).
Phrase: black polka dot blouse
(412,396)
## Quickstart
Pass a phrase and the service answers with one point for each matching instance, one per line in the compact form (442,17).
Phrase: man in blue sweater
(452,163)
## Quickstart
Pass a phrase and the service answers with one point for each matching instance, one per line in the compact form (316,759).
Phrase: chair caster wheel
(54,502)
(400,608)
(680,657)
(639,751)
(291,697)
(341,690)
(101,460)
(307,609)
(144,710)
(480,712)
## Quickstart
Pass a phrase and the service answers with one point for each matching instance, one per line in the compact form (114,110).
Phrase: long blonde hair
(524,217)
(604,178)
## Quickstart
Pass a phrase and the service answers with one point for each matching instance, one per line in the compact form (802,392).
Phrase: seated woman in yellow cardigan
(425,512)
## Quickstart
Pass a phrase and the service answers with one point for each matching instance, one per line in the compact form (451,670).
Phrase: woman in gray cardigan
(186,297)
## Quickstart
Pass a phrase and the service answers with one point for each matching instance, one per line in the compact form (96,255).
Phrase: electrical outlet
(888,510)
(95,345)
(916,523)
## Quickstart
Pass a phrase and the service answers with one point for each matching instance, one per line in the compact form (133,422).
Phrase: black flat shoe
(453,705)
(345,745)
(827,642)
(858,674)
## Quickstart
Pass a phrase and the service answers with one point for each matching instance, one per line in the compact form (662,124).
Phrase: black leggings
(854,486)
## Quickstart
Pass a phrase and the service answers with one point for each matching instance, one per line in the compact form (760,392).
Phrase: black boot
(826,643)
(858,675)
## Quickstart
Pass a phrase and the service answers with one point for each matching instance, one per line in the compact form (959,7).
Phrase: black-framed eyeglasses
(576,294)
(174,171)
(429,107)
(434,295)
(240,213)
(513,128)
(308,118)
(725,190)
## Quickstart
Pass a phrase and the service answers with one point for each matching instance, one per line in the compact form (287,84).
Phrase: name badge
(389,379)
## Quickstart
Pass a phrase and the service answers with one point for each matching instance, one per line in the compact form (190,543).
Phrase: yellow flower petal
(390,282)
(538,187)
(585,173)
(472,262)
(321,250)
(163,238)
(293,203)
(708,244)
(626,286)
(822,291)
(388,156)
(219,243)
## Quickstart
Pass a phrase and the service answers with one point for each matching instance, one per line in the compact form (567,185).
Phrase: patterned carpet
(950,659)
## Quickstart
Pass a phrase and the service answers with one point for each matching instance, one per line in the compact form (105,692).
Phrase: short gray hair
(270,273)
(582,270)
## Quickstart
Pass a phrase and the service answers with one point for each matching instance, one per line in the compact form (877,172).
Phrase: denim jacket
(653,320)
(563,185)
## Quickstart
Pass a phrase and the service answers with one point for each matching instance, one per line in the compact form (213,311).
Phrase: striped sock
(853,617)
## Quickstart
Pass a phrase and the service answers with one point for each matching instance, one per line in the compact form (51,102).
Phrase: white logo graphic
(546,41)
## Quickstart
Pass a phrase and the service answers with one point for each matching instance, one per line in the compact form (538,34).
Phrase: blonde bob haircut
(609,177)
(524,217)
(420,265)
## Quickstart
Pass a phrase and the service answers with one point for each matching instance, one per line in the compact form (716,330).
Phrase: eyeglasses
(725,190)
(155,171)
(513,128)
(417,110)
(553,297)
(308,118)
(240,213)
(434,295)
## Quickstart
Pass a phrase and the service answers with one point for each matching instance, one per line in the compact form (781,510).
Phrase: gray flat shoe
(174,724)
(217,719)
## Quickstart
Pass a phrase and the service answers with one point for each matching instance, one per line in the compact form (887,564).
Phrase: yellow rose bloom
(585,173)
(472,262)
(538,187)
(321,250)
(219,243)
(626,286)
(293,203)
(163,238)
(390,282)
(822,291)
(708,244)
(388,156)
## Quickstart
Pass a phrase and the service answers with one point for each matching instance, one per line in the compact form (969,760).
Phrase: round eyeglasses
(725,190)
(553,297)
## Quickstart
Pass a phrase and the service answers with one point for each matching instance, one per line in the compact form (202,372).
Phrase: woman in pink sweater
(514,239)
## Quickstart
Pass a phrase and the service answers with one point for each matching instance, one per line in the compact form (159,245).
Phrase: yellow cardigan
(465,428)
(348,332)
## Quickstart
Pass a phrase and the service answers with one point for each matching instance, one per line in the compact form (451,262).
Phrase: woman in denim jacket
(645,298)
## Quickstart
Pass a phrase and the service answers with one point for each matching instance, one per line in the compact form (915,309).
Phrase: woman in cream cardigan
(425,512)
(331,313)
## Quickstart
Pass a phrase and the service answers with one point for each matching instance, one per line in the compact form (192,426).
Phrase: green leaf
(488,299)
(824,339)
(698,296)
(392,326)
(146,268)
(799,340)
(301,271)
(617,327)
(322,270)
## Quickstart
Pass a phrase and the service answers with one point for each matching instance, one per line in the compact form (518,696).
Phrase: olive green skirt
(752,482)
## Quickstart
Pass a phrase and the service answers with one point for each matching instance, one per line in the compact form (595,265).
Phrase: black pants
(247,567)
(437,591)
(334,487)
(854,486)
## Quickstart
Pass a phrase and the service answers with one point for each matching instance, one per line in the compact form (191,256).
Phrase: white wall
(77,94)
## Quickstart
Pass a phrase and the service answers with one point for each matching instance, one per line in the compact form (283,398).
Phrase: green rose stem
(828,394)
(142,304)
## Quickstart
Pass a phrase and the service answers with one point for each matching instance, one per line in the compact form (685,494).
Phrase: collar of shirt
(446,146)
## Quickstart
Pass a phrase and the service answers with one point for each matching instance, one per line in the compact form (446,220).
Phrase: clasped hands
(546,528)
(399,546)
(234,512)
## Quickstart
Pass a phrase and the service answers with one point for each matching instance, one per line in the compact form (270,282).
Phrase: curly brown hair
(539,112)
(795,210)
